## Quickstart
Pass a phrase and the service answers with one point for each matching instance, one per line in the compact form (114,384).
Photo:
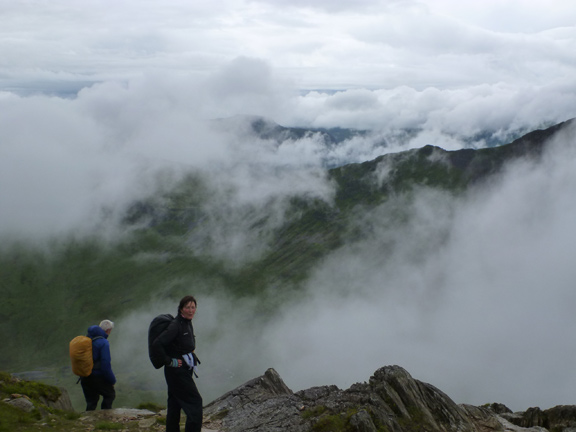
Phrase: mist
(75,164)
(473,295)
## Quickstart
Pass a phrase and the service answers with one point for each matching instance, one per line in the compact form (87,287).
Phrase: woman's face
(188,310)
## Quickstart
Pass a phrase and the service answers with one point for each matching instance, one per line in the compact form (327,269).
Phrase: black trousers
(182,395)
(95,386)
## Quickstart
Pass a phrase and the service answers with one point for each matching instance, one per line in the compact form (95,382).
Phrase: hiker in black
(176,345)
(101,381)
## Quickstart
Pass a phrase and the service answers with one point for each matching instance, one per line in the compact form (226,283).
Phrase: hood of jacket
(95,330)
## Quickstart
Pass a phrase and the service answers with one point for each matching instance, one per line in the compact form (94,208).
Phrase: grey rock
(262,404)
(508,426)
(63,403)
(120,413)
(147,423)
(21,403)
(499,408)
(392,400)
(559,418)
(362,422)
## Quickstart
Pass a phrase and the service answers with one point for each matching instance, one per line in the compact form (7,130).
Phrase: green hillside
(51,291)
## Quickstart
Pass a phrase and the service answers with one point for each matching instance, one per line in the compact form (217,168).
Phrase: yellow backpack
(81,355)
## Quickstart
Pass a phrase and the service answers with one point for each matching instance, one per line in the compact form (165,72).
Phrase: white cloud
(472,296)
(373,44)
(510,16)
(138,81)
(66,159)
(497,108)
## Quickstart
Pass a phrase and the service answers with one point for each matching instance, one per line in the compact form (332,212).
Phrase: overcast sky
(99,87)
(313,44)
(432,63)
(99,96)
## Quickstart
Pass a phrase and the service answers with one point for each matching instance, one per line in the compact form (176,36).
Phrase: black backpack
(157,326)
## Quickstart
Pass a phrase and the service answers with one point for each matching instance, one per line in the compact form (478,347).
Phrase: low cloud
(472,295)
(499,109)
(68,163)
(100,119)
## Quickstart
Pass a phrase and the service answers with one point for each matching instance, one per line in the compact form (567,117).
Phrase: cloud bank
(473,297)
(58,46)
(65,160)
(91,113)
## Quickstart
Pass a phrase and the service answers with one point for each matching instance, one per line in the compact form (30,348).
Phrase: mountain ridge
(79,281)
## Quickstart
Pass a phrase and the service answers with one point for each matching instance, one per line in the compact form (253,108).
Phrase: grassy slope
(48,297)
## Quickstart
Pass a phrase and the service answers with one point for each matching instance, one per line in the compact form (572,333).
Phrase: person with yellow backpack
(95,372)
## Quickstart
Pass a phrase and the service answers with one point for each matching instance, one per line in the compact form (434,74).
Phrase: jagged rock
(533,417)
(558,418)
(499,408)
(414,402)
(483,417)
(561,417)
(262,404)
(362,422)
(63,402)
(392,400)
(508,426)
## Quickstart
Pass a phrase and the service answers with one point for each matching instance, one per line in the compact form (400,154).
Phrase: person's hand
(176,363)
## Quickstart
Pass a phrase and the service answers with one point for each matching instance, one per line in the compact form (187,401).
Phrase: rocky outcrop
(62,402)
(262,404)
(23,393)
(390,401)
(23,402)
(558,418)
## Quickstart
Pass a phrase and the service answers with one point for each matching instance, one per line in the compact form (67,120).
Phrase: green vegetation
(327,421)
(220,415)
(332,423)
(51,293)
(108,425)
(416,422)
(49,299)
(16,419)
(151,406)
(42,416)
(315,411)
(12,418)
(32,389)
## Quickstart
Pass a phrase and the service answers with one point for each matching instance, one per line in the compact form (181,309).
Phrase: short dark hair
(185,300)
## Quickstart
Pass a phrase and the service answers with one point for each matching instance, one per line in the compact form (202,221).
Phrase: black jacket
(178,339)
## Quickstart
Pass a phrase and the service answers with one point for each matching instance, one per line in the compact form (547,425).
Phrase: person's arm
(164,339)
(106,363)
